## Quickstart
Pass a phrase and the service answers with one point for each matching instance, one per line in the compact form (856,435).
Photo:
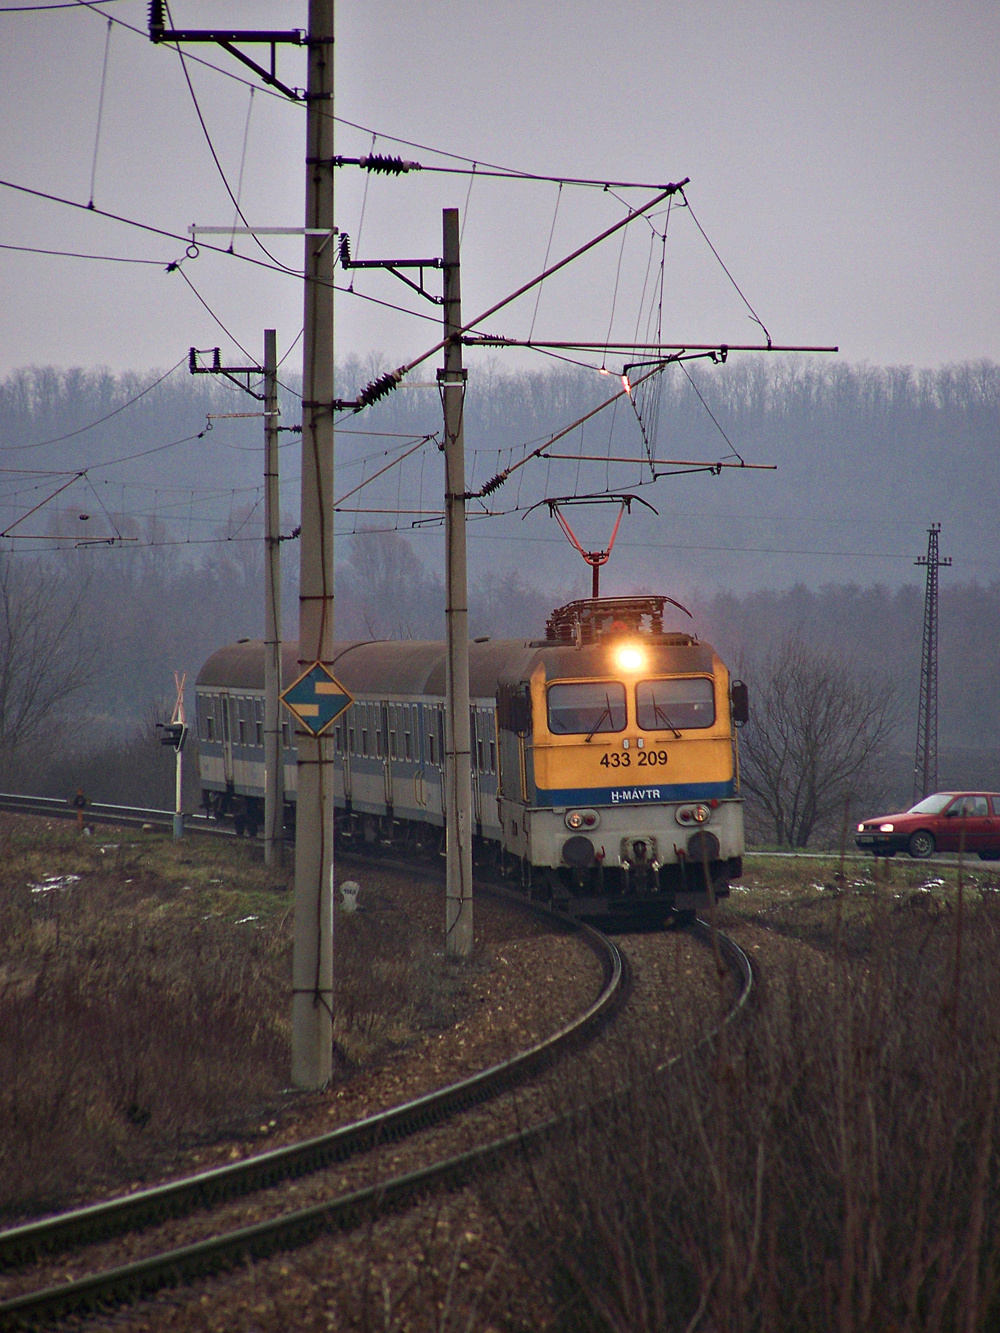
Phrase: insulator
(371,393)
(157,19)
(345,250)
(494,483)
(386,166)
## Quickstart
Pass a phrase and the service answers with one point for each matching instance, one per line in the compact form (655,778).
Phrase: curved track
(23,1244)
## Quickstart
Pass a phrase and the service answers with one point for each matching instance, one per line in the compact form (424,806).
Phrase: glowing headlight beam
(630,658)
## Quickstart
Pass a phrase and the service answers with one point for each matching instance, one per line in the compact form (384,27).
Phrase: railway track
(128,816)
(136,816)
(39,1242)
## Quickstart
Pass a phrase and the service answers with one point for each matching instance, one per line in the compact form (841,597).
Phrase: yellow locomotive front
(627,758)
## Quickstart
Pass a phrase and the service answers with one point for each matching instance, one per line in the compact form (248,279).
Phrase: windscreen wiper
(658,712)
(604,713)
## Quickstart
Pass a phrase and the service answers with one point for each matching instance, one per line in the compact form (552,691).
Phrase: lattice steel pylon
(925,767)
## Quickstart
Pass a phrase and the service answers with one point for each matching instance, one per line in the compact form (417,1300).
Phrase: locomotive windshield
(586,707)
(672,704)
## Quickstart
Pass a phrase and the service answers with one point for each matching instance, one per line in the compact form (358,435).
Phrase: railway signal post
(458,734)
(174,735)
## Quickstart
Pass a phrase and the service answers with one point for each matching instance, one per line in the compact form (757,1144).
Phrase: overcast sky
(843,161)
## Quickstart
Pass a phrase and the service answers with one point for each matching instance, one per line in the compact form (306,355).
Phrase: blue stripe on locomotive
(636,795)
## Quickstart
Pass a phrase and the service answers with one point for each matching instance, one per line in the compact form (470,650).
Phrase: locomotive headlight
(630,658)
(582,819)
(692,814)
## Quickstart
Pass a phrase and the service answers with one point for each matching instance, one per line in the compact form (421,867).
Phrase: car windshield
(931,805)
(675,703)
(584,707)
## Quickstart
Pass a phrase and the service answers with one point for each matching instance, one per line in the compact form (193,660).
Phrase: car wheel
(921,844)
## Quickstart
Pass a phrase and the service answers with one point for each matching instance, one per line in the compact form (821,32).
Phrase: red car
(948,821)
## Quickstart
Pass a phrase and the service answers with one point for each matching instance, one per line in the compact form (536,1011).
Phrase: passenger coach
(605,771)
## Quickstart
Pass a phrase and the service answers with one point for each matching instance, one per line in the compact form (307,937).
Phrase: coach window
(209,720)
(241,725)
(586,707)
(669,705)
(259,721)
(408,733)
(286,736)
(431,759)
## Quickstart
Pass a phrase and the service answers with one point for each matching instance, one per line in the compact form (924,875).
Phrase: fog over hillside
(823,546)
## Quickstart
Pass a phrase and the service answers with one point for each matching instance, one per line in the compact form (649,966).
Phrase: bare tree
(387,592)
(817,734)
(43,659)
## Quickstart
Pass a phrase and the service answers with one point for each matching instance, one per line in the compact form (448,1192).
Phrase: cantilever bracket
(230,372)
(159,32)
(392,266)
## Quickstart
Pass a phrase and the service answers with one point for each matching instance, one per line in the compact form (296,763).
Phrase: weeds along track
(442,1140)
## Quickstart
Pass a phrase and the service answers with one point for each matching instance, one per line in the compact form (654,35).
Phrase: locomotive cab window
(667,705)
(586,707)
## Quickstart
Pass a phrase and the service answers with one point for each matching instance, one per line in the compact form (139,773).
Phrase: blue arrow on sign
(317,698)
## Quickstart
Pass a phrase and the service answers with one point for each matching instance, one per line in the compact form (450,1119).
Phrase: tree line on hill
(882,447)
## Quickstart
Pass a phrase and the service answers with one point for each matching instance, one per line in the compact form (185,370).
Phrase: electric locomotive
(605,770)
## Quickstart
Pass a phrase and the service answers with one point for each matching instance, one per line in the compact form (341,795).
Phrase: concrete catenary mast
(274,773)
(312,958)
(458,733)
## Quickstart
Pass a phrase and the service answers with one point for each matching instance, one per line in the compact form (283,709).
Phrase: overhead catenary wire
(76,254)
(558,180)
(57,4)
(215,157)
(176,268)
(753,313)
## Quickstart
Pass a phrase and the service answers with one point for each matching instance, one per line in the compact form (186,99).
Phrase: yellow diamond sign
(317,698)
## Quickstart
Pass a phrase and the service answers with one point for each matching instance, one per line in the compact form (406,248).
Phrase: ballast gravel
(443,1264)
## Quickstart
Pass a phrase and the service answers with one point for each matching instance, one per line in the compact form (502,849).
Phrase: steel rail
(105,813)
(207,1188)
(130,1281)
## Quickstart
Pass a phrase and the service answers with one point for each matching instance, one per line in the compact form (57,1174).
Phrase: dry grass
(833,1164)
(145,1002)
